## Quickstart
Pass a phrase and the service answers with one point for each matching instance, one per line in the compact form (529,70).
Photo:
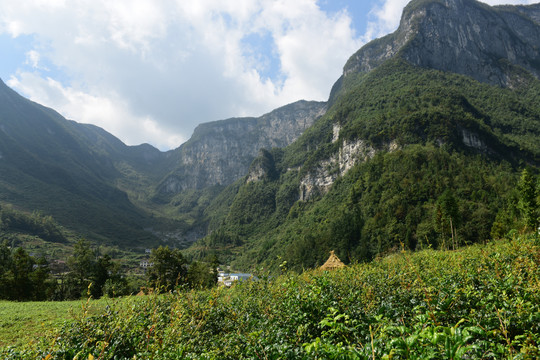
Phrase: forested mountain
(69,170)
(421,146)
(131,196)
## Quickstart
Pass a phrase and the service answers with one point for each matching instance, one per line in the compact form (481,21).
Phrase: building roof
(332,263)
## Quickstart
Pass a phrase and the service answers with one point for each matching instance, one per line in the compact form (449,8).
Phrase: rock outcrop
(221,152)
(497,45)
(321,178)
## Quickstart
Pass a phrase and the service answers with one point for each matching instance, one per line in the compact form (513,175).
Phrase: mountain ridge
(220,152)
(471,48)
(61,167)
(402,136)
(419,119)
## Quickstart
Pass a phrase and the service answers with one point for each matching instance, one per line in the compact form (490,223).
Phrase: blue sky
(152,70)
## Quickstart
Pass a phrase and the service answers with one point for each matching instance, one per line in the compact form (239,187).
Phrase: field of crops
(478,302)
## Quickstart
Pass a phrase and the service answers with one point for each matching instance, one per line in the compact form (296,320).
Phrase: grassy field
(23,323)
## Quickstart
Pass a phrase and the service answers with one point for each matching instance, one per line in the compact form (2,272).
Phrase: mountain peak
(495,45)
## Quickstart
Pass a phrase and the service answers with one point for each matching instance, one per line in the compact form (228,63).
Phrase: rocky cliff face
(495,45)
(490,44)
(221,152)
(320,179)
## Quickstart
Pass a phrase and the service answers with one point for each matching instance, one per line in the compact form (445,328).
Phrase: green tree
(22,267)
(201,275)
(168,269)
(103,269)
(528,203)
(43,284)
(22,278)
(447,217)
(6,275)
(82,266)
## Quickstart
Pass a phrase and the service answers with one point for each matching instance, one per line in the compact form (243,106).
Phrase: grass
(23,323)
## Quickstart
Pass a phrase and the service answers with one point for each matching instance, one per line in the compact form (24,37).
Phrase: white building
(227,279)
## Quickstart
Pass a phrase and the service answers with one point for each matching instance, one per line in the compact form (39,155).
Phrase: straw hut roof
(332,263)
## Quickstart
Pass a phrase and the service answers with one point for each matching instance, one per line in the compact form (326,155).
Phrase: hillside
(480,302)
(217,155)
(408,154)
(130,196)
(220,152)
(68,170)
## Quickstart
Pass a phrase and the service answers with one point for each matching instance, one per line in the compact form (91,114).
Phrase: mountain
(220,152)
(494,45)
(130,196)
(70,170)
(421,146)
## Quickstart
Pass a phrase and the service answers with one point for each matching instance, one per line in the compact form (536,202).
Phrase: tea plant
(478,302)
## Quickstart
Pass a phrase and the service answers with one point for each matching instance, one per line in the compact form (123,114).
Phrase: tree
(81,265)
(103,269)
(22,278)
(201,275)
(43,284)
(23,265)
(528,203)
(168,269)
(447,217)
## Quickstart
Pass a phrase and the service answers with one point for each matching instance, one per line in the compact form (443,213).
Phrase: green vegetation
(35,224)
(481,301)
(91,274)
(168,269)
(23,277)
(24,323)
(451,178)
(79,174)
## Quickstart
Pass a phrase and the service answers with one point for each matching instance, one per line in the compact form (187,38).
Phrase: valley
(421,172)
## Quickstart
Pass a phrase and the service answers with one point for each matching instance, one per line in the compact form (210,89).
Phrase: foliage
(434,188)
(22,277)
(529,204)
(168,269)
(35,224)
(89,273)
(202,275)
(481,301)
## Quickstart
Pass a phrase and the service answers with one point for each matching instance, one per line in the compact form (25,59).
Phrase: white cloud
(147,68)
(385,18)
(107,111)
(32,59)
(151,70)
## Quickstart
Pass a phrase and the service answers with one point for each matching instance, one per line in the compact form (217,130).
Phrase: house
(146,264)
(227,279)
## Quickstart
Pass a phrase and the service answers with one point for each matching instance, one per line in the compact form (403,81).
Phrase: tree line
(26,278)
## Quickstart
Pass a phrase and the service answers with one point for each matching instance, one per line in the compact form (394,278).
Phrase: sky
(150,71)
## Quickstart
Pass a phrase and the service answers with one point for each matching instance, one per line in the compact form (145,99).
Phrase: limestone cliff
(221,152)
(497,45)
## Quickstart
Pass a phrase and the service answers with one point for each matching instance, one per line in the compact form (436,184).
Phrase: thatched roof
(332,263)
